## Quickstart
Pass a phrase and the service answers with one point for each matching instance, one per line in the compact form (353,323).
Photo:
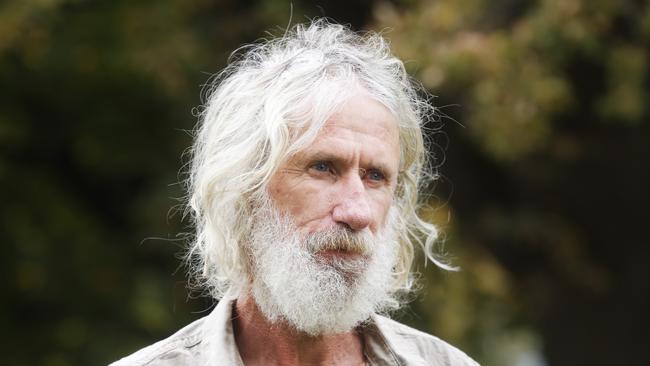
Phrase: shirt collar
(220,348)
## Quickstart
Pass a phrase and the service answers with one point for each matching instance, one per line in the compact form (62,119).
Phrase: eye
(375,175)
(321,166)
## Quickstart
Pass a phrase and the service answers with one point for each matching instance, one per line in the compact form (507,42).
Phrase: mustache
(340,239)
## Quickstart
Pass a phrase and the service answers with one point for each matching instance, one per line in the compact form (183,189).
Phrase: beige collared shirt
(211,341)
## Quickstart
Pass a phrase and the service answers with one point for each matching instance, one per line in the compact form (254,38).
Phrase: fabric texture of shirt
(211,341)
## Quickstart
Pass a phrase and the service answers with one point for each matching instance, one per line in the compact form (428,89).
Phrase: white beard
(291,284)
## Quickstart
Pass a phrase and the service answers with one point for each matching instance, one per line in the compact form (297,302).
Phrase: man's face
(347,176)
(323,238)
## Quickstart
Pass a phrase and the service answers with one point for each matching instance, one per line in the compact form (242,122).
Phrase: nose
(352,208)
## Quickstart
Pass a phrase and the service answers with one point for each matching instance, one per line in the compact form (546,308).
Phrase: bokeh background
(543,153)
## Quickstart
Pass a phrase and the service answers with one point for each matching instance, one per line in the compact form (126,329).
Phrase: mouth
(339,254)
(345,260)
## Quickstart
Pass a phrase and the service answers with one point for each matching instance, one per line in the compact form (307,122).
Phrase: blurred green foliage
(547,166)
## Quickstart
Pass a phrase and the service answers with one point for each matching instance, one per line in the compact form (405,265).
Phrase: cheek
(303,200)
(381,203)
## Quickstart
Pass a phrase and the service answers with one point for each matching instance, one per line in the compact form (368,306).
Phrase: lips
(339,242)
(342,253)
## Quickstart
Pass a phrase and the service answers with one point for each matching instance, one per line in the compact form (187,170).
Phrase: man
(304,188)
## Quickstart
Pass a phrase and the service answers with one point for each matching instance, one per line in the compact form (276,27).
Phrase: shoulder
(419,348)
(178,349)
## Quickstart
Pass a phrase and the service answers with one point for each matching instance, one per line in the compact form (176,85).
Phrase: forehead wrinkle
(378,128)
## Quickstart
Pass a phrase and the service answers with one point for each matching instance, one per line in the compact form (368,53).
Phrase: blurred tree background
(543,197)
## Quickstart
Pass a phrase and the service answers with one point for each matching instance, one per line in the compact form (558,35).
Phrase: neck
(261,342)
